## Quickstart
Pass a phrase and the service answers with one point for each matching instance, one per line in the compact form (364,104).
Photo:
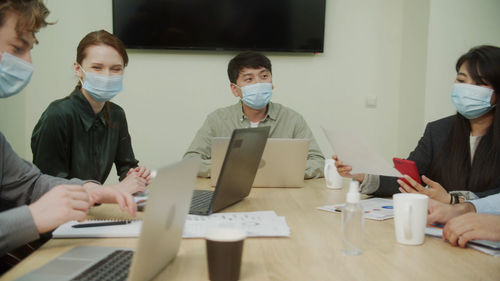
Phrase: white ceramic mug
(410,217)
(332,177)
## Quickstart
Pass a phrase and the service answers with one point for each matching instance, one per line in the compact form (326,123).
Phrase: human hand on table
(142,172)
(435,190)
(442,213)
(461,229)
(133,183)
(61,204)
(345,170)
(112,194)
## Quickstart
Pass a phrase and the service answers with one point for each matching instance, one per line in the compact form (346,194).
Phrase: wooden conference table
(312,252)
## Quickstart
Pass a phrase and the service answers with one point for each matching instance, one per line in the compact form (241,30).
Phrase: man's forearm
(18,228)
(463,208)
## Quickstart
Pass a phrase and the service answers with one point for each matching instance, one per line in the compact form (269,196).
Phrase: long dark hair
(452,167)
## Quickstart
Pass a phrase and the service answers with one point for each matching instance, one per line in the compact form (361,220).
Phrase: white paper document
(487,247)
(373,208)
(255,224)
(353,151)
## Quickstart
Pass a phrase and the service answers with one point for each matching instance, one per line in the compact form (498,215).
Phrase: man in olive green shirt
(251,82)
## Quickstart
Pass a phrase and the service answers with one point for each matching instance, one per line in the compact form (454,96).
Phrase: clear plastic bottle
(352,222)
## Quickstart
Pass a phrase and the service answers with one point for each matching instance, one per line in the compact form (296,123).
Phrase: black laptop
(237,173)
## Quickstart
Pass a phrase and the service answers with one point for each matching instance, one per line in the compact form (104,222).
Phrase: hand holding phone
(407,167)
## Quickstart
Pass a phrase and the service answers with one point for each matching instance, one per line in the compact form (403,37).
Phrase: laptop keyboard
(113,267)
(200,203)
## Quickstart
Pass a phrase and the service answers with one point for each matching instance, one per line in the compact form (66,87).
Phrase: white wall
(454,27)
(12,120)
(413,70)
(373,48)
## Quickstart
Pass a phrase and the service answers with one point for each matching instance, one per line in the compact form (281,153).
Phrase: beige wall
(373,48)
(12,120)
(454,27)
(413,69)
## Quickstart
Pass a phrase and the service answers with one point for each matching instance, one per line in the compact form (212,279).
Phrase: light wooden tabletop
(312,252)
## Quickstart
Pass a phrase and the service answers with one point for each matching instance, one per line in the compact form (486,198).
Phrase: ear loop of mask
(84,72)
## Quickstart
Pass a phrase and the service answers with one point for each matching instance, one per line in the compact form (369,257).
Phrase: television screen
(262,25)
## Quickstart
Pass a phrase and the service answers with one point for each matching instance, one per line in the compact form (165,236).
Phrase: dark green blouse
(71,141)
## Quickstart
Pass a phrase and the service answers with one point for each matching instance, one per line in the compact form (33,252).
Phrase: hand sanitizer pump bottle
(352,222)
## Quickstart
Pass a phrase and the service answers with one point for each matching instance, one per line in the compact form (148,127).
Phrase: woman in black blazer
(459,152)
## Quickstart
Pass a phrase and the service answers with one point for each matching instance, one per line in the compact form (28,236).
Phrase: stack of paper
(374,208)
(487,247)
(255,224)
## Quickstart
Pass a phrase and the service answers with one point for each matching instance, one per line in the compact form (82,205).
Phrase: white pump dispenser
(353,194)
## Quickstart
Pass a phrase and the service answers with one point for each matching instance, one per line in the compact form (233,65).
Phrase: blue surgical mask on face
(15,73)
(257,95)
(471,101)
(102,87)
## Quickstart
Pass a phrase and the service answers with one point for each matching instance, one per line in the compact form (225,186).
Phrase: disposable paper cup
(224,251)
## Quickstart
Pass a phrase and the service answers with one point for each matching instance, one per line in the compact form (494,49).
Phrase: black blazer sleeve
(428,147)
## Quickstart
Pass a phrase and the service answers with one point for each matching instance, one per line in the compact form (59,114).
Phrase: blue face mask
(102,87)
(471,101)
(258,95)
(15,73)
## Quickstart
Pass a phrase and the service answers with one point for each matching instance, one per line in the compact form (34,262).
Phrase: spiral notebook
(132,229)
(255,224)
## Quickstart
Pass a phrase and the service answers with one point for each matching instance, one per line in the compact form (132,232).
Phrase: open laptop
(283,163)
(237,173)
(158,243)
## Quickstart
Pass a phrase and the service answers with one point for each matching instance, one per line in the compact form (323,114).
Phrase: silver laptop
(239,166)
(158,243)
(283,163)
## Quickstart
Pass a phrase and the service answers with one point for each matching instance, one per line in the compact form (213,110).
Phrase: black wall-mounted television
(261,25)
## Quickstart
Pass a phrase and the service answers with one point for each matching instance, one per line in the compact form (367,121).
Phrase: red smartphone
(407,167)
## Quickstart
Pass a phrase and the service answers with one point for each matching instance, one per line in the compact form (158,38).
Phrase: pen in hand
(95,224)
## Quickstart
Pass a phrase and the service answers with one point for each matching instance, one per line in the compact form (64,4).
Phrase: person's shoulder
(3,142)
(115,112)
(225,112)
(60,108)
(285,111)
(446,122)
(115,108)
